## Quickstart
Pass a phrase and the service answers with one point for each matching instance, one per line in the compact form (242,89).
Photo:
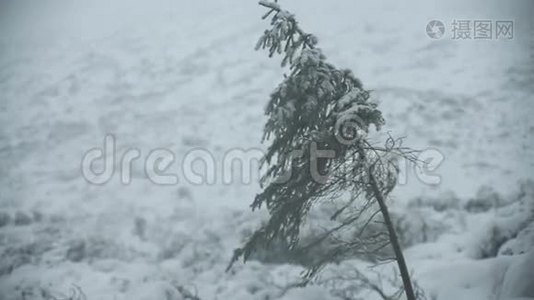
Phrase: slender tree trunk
(405,275)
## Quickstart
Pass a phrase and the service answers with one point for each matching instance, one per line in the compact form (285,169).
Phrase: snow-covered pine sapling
(319,119)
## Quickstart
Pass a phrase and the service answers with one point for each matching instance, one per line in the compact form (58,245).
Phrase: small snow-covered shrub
(93,248)
(443,202)
(15,256)
(41,293)
(417,226)
(174,245)
(485,199)
(160,289)
(508,232)
(494,238)
(523,242)
(201,256)
(140,228)
(22,219)
(5,218)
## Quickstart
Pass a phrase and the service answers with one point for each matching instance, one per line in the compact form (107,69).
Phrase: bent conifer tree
(319,120)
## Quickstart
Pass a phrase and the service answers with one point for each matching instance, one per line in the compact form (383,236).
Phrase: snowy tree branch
(276,8)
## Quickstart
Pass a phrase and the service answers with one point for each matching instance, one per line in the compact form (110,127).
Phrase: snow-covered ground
(183,75)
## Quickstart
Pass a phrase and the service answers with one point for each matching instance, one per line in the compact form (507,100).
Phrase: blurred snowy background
(182,75)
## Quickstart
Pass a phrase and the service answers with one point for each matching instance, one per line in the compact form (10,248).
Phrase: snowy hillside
(183,75)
